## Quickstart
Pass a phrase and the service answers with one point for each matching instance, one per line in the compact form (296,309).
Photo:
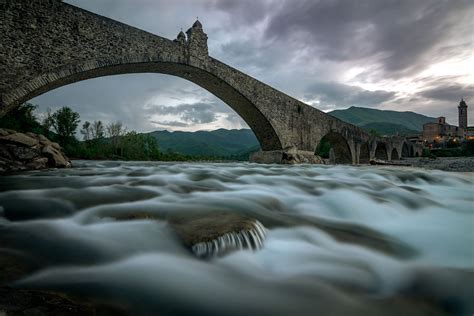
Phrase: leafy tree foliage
(86,131)
(324,148)
(140,147)
(21,119)
(65,122)
(98,130)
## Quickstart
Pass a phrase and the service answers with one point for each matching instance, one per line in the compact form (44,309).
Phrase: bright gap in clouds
(144,102)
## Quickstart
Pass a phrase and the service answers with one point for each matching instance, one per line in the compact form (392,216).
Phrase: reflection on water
(340,240)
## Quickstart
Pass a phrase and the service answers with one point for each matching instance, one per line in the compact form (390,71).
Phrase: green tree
(21,119)
(65,122)
(468,147)
(115,131)
(86,131)
(139,147)
(323,148)
(47,122)
(97,130)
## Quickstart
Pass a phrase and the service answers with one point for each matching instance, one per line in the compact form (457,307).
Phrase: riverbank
(452,164)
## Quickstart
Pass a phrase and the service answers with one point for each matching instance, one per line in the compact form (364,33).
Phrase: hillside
(238,144)
(388,122)
(219,143)
(384,128)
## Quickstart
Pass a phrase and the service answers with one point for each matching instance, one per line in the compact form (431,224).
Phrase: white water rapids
(339,240)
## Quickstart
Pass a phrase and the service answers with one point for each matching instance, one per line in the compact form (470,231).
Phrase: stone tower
(462,109)
(197,41)
(181,38)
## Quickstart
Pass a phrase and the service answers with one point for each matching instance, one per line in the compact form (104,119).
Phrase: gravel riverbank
(454,164)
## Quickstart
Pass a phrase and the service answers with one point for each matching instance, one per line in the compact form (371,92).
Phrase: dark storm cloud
(197,113)
(344,30)
(341,95)
(248,11)
(448,91)
(399,33)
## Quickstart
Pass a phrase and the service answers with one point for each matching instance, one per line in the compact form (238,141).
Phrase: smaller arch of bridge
(394,154)
(406,150)
(335,147)
(381,151)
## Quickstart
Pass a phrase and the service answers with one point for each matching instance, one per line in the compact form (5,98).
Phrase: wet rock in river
(214,234)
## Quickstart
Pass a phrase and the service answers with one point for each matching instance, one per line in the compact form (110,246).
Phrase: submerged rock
(209,235)
(19,151)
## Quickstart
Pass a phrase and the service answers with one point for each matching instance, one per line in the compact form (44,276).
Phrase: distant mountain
(238,144)
(219,143)
(384,128)
(384,121)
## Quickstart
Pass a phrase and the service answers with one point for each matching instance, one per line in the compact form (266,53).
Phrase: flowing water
(336,240)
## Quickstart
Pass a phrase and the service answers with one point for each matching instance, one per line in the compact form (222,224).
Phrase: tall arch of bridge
(49,44)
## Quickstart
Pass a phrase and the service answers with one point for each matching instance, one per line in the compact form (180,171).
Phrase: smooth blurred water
(340,239)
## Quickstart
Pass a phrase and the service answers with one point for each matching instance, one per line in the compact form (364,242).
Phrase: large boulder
(43,140)
(55,156)
(23,153)
(29,151)
(19,139)
(6,131)
(38,163)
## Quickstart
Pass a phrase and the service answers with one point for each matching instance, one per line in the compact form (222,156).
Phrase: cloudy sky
(402,55)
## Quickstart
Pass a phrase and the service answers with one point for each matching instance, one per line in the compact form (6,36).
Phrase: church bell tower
(462,109)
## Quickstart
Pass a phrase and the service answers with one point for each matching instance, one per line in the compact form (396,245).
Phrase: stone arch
(215,84)
(394,154)
(406,151)
(381,151)
(339,150)
(364,154)
(87,45)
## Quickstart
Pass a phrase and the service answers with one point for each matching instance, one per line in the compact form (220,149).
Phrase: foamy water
(341,240)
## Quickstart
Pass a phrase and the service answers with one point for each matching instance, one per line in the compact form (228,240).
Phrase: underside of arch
(406,150)
(338,149)
(381,151)
(259,124)
(394,154)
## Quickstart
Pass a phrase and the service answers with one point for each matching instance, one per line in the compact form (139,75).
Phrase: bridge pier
(389,148)
(353,149)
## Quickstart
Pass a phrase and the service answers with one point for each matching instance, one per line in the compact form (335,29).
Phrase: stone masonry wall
(47,44)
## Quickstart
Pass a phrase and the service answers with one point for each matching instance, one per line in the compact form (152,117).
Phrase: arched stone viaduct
(47,44)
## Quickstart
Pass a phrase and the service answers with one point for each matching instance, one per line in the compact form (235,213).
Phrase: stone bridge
(47,44)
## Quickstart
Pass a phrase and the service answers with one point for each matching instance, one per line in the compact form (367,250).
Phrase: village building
(440,132)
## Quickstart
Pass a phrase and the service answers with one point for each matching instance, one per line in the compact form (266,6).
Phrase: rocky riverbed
(29,151)
(455,164)
(153,238)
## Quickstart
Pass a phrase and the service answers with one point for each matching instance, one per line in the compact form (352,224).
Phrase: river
(338,240)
